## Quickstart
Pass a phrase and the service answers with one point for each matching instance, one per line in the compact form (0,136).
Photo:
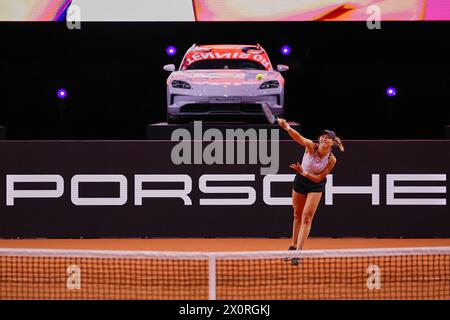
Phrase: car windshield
(225,64)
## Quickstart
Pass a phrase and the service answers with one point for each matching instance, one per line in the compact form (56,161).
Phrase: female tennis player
(310,180)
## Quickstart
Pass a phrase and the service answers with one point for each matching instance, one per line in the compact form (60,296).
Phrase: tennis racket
(268,113)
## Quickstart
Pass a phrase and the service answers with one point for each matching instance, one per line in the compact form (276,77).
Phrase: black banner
(133,189)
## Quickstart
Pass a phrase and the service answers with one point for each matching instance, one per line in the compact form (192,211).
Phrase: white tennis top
(313,163)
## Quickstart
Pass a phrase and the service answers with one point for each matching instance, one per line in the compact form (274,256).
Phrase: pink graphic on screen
(226,10)
(319,10)
(437,10)
(33,10)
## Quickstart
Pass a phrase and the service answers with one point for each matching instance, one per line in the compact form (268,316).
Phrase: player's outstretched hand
(297,167)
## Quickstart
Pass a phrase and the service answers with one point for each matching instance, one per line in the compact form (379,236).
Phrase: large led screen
(225,10)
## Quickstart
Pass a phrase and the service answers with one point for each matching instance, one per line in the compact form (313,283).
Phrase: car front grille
(222,108)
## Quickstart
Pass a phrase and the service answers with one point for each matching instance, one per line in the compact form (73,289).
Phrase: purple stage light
(285,50)
(61,93)
(391,91)
(171,50)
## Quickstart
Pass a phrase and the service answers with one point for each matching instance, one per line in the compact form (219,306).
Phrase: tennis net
(405,273)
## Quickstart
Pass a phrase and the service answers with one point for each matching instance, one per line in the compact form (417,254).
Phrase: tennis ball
(259,76)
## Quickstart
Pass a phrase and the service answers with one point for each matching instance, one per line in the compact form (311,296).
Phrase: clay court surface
(188,244)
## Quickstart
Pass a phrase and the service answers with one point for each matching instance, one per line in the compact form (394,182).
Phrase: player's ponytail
(338,142)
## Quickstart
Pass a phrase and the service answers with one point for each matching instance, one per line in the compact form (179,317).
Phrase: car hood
(228,77)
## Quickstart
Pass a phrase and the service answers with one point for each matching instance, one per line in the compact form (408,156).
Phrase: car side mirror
(282,67)
(169,67)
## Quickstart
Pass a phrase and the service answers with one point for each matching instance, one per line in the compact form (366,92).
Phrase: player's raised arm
(307,143)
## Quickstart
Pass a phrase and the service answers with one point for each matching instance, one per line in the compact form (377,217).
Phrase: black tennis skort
(304,185)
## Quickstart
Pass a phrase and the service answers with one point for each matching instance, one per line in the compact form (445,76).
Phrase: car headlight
(180,84)
(269,84)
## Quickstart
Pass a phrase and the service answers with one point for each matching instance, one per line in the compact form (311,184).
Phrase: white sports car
(224,82)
